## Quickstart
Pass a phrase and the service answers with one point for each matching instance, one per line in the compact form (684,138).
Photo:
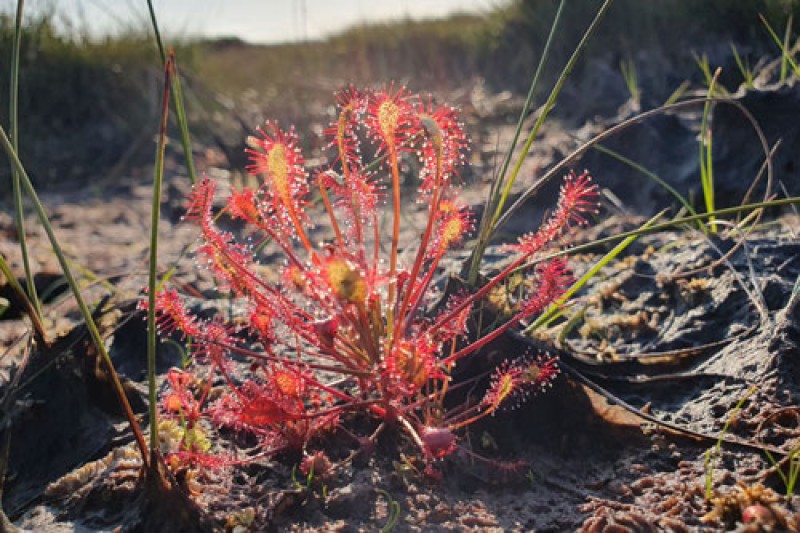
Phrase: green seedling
(787,34)
(748,75)
(713,453)
(678,93)
(787,57)
(790,477)
(531,477)
(310,483)
(706,153)
(709,75)
(628,69)
(19,212)
(393,508)
(307,484)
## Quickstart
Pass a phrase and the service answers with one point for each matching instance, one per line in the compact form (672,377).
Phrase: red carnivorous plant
(350,324)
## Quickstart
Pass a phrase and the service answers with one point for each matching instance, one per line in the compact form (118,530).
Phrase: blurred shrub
(88,108)
(671,29)
(84,105)
(503,47)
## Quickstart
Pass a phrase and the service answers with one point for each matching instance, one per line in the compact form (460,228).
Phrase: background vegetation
(90,106)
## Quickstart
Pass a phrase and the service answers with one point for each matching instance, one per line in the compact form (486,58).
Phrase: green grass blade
(795,289)
(789,480)
(744,67)
(183,124)
(727,211)
(794,471)
(706,154)
(177,96)
(494,193)
(636,166)
(787,34)
(678,93)
(24,300)
(159,42)
(616,129)
(787,56)
(393,510)
(708,468)
(702,64)
(710,455)
(548,106)
(556,309)
(16,191)
(91,327)
(152,286)
(485,236)
(628,69)
(494,190)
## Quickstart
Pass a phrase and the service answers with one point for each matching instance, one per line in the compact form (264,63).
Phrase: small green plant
(748,75)
(628,69)
(713,453)
(705,138)
(678,93)
(787,57)
(393,507)
(706,159)
(790,477)
(531,477)
(316,462)
(710,77)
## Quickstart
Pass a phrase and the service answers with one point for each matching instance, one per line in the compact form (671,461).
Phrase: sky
(256,21)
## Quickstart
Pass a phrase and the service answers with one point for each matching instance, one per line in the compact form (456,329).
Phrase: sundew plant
(352,325)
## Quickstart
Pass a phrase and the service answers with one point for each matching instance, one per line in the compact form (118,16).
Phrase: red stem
(483,341)
(300,231)
(421,252)
(481,293)
(331,216)
(395,226)
(423,287)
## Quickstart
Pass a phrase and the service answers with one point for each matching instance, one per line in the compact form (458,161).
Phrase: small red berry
(758,514)
(438,441)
